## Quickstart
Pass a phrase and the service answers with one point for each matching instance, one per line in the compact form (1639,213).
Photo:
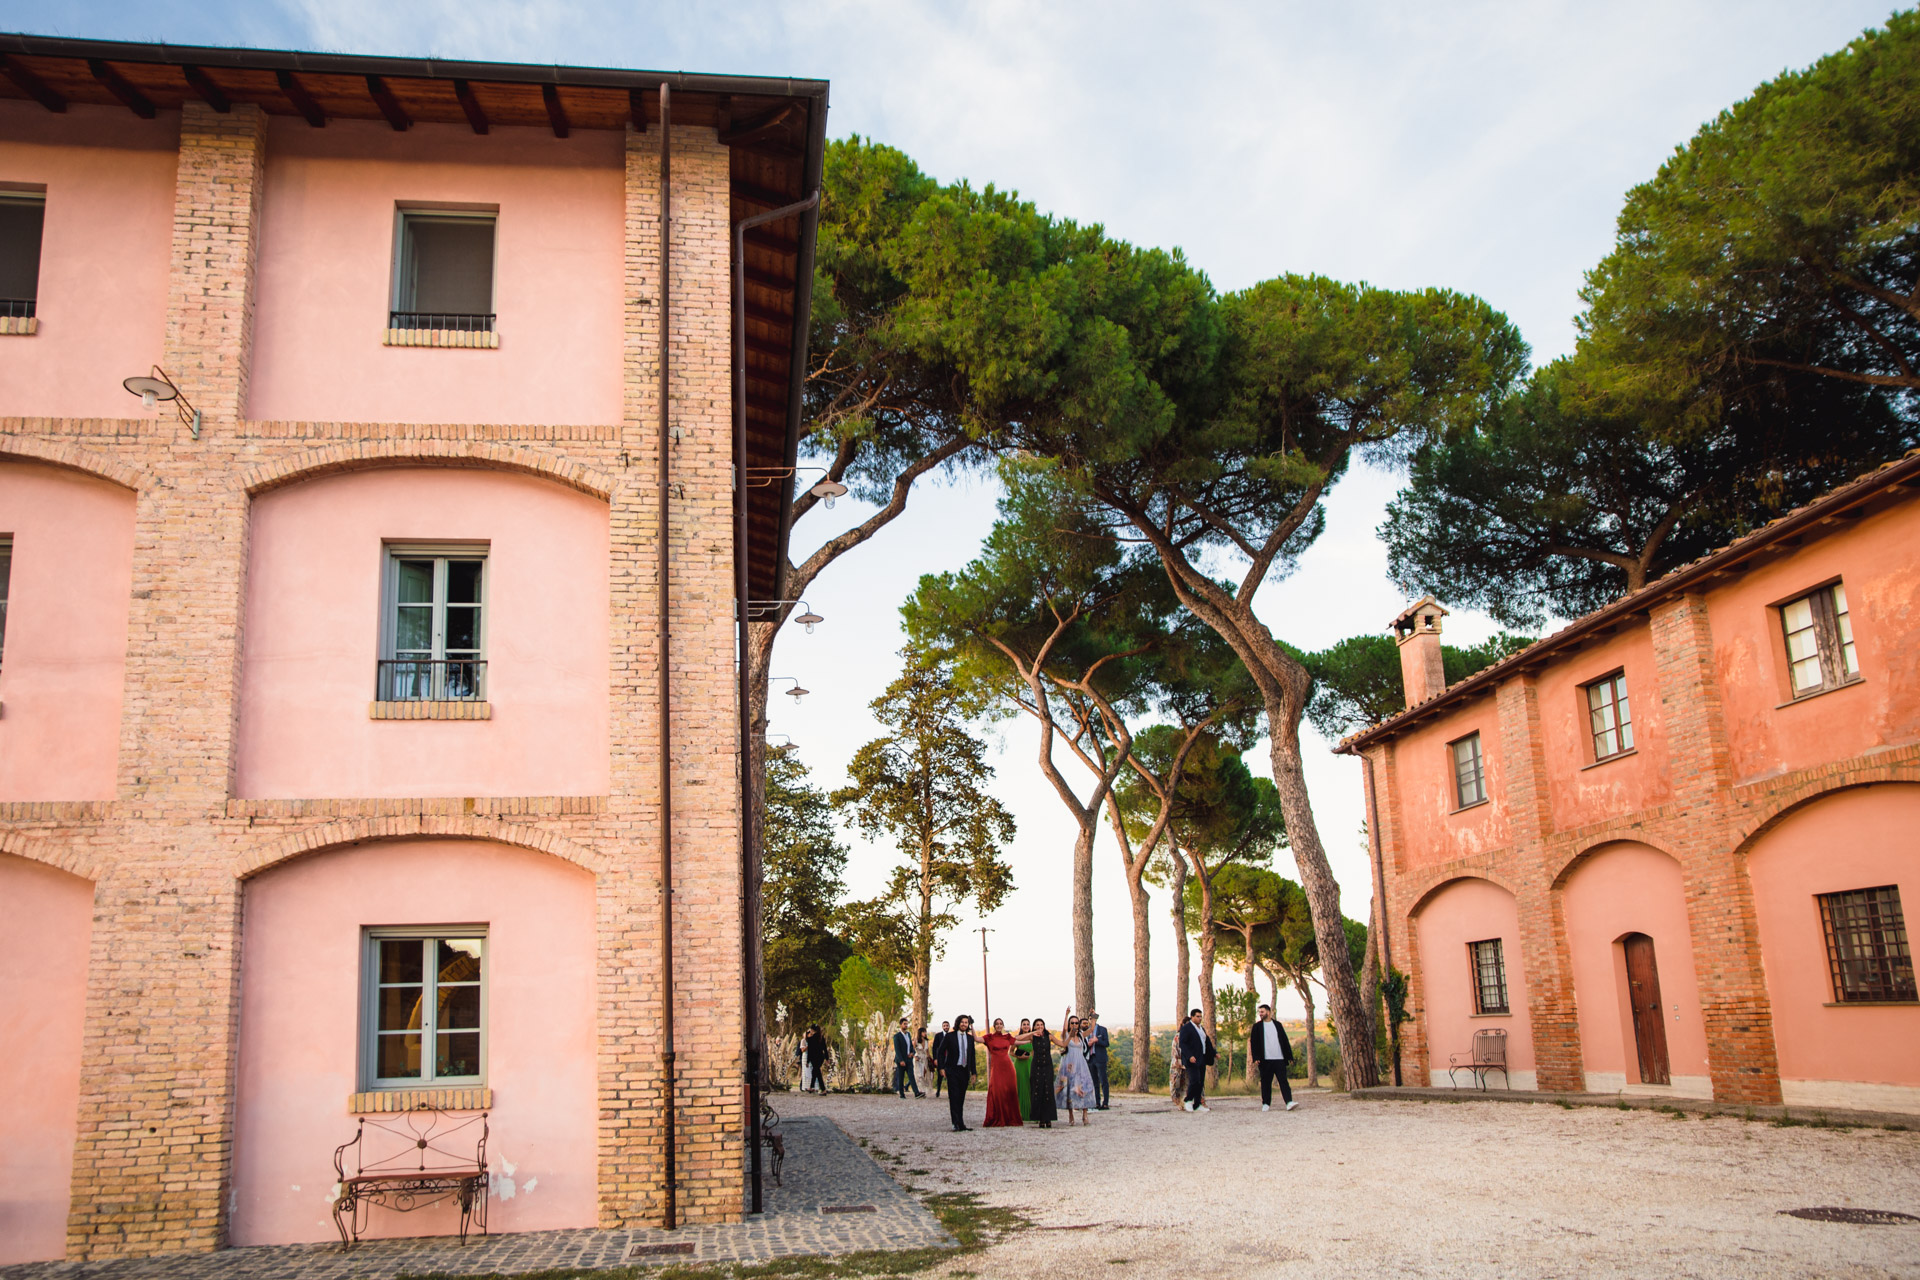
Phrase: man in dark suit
(1097,1062)
(1196,1054)
(935,1048)
(903,1063)
(1268,1046)
(957,1058)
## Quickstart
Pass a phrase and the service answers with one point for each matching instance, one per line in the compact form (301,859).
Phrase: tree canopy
(1783,239)
(801,891)
(1357,682)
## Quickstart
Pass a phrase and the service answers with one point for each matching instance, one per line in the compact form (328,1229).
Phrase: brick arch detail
(1431,889)
(1593,844)
(72,457)
(351,831)
(1791,800)
(368,455)
(65,859)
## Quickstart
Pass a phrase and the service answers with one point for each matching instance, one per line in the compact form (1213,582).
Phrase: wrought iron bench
(771,1138)
(1489,1054)
(408,1161)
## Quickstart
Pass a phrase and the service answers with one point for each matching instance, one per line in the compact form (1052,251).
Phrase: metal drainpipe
(749,829)
(671,1217)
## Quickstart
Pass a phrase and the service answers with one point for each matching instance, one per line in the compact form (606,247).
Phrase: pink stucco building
(1671,848)
(369,730)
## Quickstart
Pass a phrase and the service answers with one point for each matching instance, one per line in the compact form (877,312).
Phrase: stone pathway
(825,1174)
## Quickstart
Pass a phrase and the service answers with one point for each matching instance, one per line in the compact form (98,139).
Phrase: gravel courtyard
(1388,1188)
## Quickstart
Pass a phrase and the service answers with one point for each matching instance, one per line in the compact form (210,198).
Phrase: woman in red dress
(1003,1095)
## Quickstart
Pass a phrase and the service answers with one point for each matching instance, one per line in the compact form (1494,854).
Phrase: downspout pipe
(670,1213)
(742,594)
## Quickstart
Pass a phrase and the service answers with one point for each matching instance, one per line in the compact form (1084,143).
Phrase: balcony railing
(431,680)
(22,309)
(457,322)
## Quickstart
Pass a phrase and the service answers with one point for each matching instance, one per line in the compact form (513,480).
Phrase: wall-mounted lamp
(829,489)
(808,618)
(157,386)
(796,693)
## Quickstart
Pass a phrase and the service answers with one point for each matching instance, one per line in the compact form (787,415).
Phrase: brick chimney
(1417,632)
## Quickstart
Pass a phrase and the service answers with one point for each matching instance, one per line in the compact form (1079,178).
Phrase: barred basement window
(425,1007)
(1469,772)
(1489,976)
(1867,945)
(1819,634)
(1609,719)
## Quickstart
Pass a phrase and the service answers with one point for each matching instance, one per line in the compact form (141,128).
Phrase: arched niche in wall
(417,937)
(1472,977)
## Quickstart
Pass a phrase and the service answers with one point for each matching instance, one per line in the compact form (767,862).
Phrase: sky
(1479,146)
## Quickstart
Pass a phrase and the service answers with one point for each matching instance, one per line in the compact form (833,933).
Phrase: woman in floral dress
(1073,1088)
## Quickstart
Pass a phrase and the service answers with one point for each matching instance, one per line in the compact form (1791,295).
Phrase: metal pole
(986,1001)
(670,1217)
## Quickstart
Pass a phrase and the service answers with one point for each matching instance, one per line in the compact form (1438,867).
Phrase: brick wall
(170,853)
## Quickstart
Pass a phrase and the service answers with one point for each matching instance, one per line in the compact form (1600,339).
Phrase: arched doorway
(1472,978)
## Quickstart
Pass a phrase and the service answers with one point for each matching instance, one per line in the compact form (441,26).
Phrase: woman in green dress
(1023,1067)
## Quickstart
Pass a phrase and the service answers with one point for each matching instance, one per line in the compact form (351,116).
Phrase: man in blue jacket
(903,1063)
(1097,1062)
(1196,1055)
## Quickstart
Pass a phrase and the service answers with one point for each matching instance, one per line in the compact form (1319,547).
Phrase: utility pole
(986,1001)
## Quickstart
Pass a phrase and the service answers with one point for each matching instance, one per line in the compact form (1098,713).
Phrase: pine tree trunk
(1313,1055)
(1083,1001)
(1142,984)
(1182,975)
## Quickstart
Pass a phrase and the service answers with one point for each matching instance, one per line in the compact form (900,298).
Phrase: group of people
(1267,1048)
(1026,1084)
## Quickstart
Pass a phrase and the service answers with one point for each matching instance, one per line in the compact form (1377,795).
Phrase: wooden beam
(389,105)
(471,105)
(134,100)
(33,86)
(637,109)
(766,197)
(761,127)
(302,100)
(769,279)
(210,93)
(760,238)
(768,315)
(556,114)
(768,347)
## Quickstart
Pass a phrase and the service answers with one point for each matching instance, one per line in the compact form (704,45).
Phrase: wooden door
(1649,1026)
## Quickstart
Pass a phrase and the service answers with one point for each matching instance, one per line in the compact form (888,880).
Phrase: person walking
(1003,1102)
(957,1059)
(1023,1067)
(922,1062)
(1097,1060)
(939,1056)
(1040,1105)
(1196,1054)
(1073,1087)
(1268,1046)
(903,1062)
(814,1050)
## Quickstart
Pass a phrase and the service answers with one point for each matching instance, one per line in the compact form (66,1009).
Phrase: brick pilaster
(1400,926)
(1726,940)
(152,1161)
(1543,941)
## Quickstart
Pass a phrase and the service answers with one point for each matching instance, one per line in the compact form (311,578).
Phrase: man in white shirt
(1268,1046)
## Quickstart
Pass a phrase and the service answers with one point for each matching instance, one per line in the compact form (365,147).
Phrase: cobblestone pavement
(824,1171)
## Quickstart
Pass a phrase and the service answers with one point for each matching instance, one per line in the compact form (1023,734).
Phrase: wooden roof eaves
(816,150)
(412,68)
(1789,530)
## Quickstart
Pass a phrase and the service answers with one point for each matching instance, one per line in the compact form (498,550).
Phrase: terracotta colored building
(1668,848)
(359,706)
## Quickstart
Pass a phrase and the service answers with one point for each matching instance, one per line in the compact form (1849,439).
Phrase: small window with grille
(435,625)
(1469,772)
(1489,976)
(23,216)
(443,271)
(1819,636)
(1867,945)
(1609,718)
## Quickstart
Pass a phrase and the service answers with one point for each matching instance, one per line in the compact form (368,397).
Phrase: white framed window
(433,624)
(1469,771)
(424,1006)
(443,269)
(1819,636)
(1609,716)
(6,576)
(23,216)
